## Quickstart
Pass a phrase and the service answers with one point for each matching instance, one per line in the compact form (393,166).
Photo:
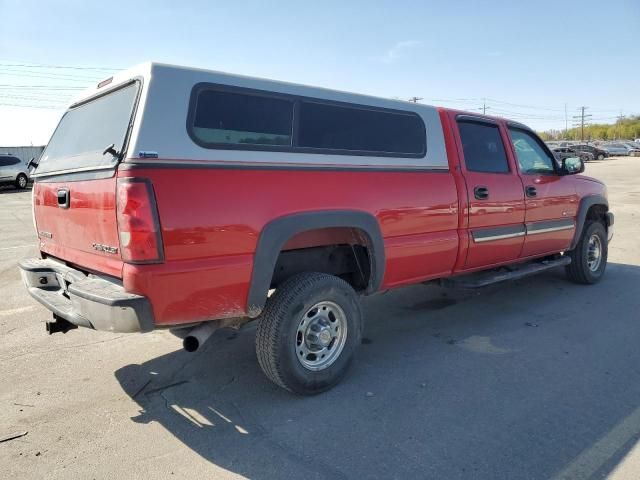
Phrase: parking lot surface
(534,379)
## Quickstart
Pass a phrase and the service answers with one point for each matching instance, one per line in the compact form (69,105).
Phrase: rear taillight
(138,223)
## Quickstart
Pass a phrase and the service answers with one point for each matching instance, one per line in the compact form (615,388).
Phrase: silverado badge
(104,248)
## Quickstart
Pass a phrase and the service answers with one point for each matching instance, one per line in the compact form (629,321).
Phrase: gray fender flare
(277,232)
(585,204)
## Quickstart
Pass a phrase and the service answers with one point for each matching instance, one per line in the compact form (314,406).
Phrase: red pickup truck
(179,198)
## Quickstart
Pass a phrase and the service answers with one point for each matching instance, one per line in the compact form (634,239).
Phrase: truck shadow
(539,378)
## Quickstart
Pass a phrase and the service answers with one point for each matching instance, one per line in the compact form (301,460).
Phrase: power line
(32,97)
(68,67)
(47,107)
(48,77)
(39,87)
(493,100)
(468,102)
(528,115)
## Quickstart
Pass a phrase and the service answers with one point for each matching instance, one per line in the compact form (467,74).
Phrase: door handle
(531,191)
(63,198)
(481,193)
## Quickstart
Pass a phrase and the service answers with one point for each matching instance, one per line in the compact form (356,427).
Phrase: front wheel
(21,181)
(601,157)
(308,333)
(589,257)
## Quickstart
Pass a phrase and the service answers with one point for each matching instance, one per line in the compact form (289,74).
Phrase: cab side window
(483,148)
(532,157)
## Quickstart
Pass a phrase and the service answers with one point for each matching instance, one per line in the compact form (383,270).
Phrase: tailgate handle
(63,198)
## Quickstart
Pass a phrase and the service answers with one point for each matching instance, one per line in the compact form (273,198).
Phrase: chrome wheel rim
(321,336)
(22,182)
(594,253)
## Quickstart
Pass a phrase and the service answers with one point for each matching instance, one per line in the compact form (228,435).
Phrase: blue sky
(526,58)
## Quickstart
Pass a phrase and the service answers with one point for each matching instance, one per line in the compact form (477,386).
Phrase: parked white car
(13,171)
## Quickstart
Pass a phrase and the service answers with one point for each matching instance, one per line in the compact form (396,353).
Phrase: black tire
(579,270)
(277,334)
(600,156)
(21,181)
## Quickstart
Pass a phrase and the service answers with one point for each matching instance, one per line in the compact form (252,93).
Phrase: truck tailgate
(76,222)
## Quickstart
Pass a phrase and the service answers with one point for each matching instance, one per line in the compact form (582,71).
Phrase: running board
(483,279)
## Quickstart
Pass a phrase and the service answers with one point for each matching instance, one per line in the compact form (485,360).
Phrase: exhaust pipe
(199,335)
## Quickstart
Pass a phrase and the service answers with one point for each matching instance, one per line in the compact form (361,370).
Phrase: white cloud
(399,50)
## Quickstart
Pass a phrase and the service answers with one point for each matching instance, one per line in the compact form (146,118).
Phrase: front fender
(585,204)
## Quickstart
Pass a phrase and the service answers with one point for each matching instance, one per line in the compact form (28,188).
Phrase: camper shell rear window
(87,130)
(224,117)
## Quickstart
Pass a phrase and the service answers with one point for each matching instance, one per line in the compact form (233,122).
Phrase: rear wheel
(600,156)
(308,333)
(589,258)
(21,181)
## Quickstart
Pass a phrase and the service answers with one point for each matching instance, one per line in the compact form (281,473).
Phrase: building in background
(23,153)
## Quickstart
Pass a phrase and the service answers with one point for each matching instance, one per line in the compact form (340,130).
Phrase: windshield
(86,131)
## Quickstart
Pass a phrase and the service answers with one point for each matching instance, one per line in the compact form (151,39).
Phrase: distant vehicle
(632,148)
(557,144)
(616,149)
(13,171)
(598,153)
(565,152)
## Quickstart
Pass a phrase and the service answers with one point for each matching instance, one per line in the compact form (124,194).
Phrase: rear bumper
(86,300)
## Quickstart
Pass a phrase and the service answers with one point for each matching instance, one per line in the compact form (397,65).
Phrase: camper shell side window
(227,118)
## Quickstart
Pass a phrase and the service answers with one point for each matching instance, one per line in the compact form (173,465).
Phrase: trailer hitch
(59,325)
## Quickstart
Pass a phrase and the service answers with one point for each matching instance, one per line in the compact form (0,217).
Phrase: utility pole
(619,125)
(484,107)
(415,99)
(581,120)
(566,125)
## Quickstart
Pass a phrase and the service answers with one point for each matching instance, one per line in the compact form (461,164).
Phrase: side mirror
(572,165)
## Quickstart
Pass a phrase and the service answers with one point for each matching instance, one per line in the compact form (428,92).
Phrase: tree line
(624,128)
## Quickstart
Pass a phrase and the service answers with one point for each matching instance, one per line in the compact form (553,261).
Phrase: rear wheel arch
(279,231)
(592,207)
